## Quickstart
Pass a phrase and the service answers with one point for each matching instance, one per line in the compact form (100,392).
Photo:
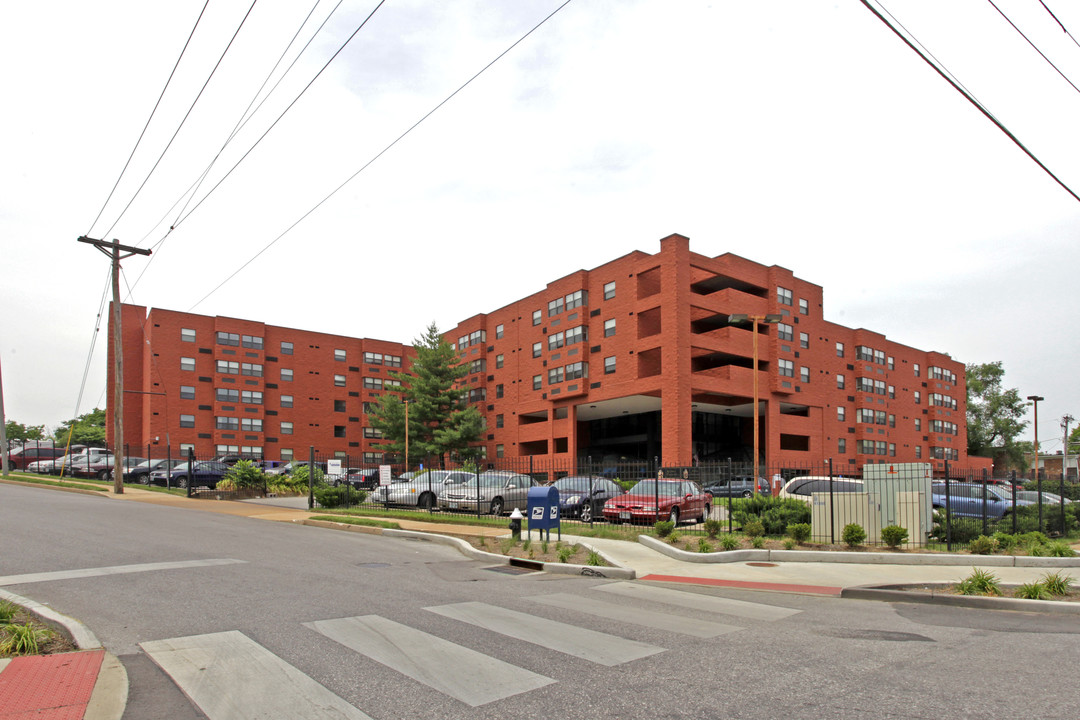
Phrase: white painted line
(464,674)
(114,570)
(649,618)
(580,642)
(695,601)
(231,677)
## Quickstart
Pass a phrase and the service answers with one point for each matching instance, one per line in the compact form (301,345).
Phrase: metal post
(1013,483)
(190,470)
(478,489)
(729,526)
(832,509)
(984,501)
(656,487)
(311,477)
(948,511)
(1038,478)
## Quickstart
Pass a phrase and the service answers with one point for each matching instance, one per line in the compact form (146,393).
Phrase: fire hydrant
(515,524)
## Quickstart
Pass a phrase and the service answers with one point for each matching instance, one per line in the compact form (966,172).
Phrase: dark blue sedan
(581,496)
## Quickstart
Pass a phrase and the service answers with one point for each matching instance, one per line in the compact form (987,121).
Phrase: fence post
(948,511)
(656,486)
(1061,498)
(311,477)
(190,470)
(984,501)
(1013,483)
(478,487)
(729,495)
(832,508)
(1038,482)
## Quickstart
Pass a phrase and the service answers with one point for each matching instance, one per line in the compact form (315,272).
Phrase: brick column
(675,366)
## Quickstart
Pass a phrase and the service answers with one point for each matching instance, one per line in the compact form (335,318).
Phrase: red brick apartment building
(634,359)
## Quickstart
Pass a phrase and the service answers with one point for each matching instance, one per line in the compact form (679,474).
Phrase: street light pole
(755,319)
(1066,420)
(1038,479)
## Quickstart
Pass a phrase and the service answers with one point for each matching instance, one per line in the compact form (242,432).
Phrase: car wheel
(426,501)
(104,475)
(586,512)
(705,513)
(497,506)
(674,516)
(747,493)
(144,479)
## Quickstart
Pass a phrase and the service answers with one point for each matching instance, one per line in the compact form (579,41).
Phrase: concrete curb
(97,493)
(860,558)
(894,593)
(109,699)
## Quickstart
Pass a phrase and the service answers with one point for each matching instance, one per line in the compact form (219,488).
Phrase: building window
(253,342)
(187,335)
(251,424)
(555,307)
(840,382)
(804,306)
(892,420)
(252,397)
(785,331)
(286,428)
(538,349)
(187,392)
(804,340)
(228,367)
(555,375)
(538,382)
(499,390)
(477,366)
(892,391)
(839,349)
(918,398)
(187,364)
(577,299)
(227,395)
(252,369)
(787,368)
(339,431)
(783,296)
(339,355)
(609,327)
(890,362)
(918,424)
(918,451)
(609,290)
(286,401)
(227,423)
(227,338)
(576,335)
(187,421)
(477,336)
(286,375)
(498,361)
(841,445)
(804,374)
(478,395)
(538,317)
(609,365)
(576,371)
(916,368)
(286,348)
(499,330)
(339,380)
(841,413)
(555,341)
(892,449)
(186,448)
(371,383)
(499,450)
(371,358)
(392,360)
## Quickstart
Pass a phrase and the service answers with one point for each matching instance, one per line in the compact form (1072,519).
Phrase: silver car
(492,492)
(421,489)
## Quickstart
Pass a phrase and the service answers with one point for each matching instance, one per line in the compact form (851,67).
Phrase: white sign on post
(384,475)
(333,467)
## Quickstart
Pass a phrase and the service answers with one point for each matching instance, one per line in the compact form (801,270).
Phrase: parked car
(102,468)
(48,466)
(205,473)
(582,496)
(421,489)
(75,465)
(966,499)
(737,486)
(141,472)
(21,458)
(493,491)
(649,500)
(804,486)
(361,479)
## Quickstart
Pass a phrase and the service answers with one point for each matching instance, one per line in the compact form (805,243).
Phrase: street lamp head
(738,318)
(772,319)
(1035,398)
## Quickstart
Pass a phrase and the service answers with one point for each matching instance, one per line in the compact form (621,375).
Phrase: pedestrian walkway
(48,687)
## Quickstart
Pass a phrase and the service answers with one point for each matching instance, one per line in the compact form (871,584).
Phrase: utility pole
(3,432)
(1066,420)
(114,253)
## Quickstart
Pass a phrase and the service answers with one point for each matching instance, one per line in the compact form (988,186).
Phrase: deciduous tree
(994,414)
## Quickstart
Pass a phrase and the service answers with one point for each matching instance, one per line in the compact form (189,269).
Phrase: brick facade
(636,358)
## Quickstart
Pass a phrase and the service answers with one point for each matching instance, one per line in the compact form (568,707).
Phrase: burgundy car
(652,500)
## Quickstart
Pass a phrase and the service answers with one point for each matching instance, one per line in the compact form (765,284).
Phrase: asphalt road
(253,618)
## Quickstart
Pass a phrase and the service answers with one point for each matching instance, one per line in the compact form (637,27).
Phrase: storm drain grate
(760,564)
(510,570)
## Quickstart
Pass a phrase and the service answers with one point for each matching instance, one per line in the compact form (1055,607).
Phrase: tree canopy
(17,433)
(89,429)
(993,413)
(440,419)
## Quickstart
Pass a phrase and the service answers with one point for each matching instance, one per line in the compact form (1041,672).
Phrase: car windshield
(651,487)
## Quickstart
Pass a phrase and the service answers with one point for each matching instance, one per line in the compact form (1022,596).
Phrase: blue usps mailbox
(544,510)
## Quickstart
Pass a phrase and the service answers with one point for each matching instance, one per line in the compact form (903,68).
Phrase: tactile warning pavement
(49,687)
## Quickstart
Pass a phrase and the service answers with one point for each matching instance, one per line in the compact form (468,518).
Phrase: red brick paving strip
(49,687)
(744,584)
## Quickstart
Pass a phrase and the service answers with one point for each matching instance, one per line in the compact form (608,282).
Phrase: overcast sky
(798,133)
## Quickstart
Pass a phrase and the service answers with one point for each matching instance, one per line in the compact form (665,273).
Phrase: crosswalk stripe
(462,673)
(229,676)
(649,618)
(112,570)
(586,644)
(695,601)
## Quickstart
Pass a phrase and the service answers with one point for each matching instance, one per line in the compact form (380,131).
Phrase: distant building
(637,358)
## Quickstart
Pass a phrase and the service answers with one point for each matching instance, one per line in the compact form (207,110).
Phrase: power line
(378,155)
(152,112)
(1060,24)
(970,98)
(1050,62)
(184,119)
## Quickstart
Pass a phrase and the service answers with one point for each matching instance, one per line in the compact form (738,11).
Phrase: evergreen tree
(440,419)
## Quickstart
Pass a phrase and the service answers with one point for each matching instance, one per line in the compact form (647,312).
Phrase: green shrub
(713,528)
(297,482)
(893,535)
(753,529)
(1059,549)
(7,611)
(1032,591)
(1005,541)
(789,544)
(565,553)
(703,546)
(1056,583)
(757,542)
(1027,519)
(964,530)
(980,582)
(729,541)
(799,532)
(775,514)
(674,537)
(594,559)
(245,474)
(664,528)
(853,535)
(22,639)
(982,545)
(332,497)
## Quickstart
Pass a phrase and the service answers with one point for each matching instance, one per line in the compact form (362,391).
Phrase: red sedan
(652,500)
